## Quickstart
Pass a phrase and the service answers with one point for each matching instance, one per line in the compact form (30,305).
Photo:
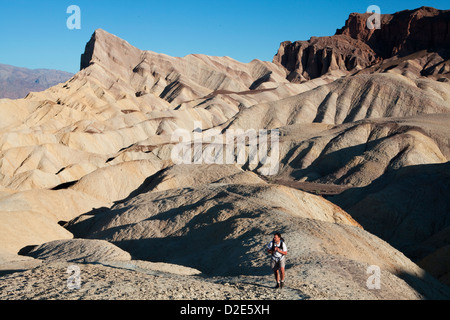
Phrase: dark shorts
(277,265)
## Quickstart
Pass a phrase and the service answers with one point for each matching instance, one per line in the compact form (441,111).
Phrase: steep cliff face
(402,33)
(355,46)
(306,60)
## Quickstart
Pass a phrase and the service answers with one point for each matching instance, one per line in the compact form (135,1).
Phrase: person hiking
(278,249)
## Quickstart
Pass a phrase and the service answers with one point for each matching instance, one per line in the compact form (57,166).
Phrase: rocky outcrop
(355,46)
(306,60)
(402,33)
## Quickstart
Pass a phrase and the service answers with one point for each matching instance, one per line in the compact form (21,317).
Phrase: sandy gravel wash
(101,282)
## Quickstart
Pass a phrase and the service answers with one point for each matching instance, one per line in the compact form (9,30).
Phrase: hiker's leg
(282,268)
(282,273)
(277,275)
(275,268)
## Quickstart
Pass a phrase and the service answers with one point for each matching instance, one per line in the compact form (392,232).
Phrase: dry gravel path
(129,282)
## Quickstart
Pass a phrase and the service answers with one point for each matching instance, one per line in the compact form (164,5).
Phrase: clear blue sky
(34,33)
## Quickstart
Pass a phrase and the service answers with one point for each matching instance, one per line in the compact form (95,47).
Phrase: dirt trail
(128,281)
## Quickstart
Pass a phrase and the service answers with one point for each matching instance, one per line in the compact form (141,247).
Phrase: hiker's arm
(280,251)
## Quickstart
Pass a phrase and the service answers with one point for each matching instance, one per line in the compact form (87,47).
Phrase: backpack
(281,244)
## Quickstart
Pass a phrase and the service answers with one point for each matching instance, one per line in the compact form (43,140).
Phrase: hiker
(278,249)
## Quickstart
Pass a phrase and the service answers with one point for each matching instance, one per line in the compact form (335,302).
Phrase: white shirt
(276,255)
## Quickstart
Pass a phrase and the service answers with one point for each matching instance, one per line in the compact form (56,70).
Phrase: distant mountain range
(17,82)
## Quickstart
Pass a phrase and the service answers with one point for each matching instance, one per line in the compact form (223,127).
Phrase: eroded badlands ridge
(86,167)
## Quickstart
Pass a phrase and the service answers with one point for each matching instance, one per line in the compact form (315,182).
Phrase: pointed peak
(103,34)
(86,57)
(101,46)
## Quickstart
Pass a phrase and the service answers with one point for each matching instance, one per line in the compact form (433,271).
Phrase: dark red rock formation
(355,46)
(305,60)
(402,33)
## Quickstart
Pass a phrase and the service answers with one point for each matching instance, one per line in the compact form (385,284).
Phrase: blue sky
(34,33)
